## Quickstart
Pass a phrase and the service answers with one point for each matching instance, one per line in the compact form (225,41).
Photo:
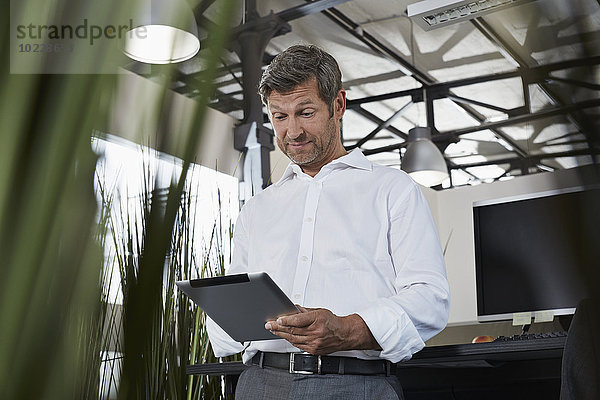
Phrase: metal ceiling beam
(205,24)
(288,15)
(511,55)
(201,7)
(532,159)
(440,90)
(378,121)
(308,8)
(510,112)
(356,103)
(530,117)
(477,117)
(387,123)
(226,102)
(352,27)
(442,136)
(574,82)
(425,80)
(386,76)
(237,67)
(507,52)
(384,149)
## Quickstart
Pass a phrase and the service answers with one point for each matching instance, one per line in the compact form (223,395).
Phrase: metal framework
(255,33)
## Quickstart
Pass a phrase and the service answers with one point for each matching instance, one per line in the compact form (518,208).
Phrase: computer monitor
(533,252)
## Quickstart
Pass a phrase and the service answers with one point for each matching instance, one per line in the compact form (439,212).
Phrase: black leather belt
(304,363)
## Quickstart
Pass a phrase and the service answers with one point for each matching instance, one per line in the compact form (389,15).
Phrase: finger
(291,313)
(295,340)
(270,323)
(307,309)
(300,320)
(291,330)
(282,327)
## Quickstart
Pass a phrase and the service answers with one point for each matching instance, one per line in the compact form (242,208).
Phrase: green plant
(50,297)
(178,335)
(50,260)
(143,295)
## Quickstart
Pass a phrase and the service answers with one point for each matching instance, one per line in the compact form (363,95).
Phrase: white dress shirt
(356,238)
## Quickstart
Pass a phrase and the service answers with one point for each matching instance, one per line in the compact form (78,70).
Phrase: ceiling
(513,92)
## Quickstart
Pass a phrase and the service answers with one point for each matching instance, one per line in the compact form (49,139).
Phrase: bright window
(126,175)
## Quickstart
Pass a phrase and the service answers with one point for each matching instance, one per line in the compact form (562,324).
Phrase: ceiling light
(432,14)
(165,32)
(422,160)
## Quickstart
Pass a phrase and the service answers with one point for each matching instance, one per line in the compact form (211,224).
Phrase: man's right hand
(319,331)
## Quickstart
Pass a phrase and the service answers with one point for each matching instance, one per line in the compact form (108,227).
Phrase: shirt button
(304,258)
(309,219)
(296,296)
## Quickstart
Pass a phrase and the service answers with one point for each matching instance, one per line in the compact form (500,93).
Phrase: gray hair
(297,65)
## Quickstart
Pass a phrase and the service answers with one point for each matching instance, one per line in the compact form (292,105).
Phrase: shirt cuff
(393,330)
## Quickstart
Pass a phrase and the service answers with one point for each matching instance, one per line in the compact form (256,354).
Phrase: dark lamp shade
(422,160)
(165,32)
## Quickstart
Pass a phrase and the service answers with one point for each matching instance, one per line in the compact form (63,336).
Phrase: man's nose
(294,129)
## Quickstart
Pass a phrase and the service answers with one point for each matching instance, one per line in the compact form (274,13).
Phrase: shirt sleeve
(222,343)
(419,308)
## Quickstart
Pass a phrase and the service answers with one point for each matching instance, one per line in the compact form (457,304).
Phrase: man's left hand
(319,331)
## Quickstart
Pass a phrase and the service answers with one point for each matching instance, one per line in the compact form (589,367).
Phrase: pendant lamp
(165,32)
(422,160)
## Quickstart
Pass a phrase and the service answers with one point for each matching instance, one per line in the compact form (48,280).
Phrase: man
(351,242)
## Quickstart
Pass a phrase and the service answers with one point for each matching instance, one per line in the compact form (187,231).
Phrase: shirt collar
(354,159)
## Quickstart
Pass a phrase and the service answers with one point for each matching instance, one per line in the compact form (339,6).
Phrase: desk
(528,369)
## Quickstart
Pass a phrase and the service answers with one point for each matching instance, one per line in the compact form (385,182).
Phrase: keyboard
(531,336)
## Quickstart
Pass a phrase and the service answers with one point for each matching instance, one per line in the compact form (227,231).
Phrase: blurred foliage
(178,336)
(49,288)
(51,313)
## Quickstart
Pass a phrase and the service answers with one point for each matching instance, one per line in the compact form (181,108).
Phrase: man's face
(304,130)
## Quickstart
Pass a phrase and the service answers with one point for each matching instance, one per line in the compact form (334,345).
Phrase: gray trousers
(257,383)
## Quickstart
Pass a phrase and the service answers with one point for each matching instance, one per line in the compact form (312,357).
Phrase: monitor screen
(532,252)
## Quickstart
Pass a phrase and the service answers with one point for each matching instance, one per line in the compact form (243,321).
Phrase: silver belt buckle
(292,369)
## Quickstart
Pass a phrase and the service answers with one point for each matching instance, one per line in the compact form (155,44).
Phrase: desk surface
(491,353)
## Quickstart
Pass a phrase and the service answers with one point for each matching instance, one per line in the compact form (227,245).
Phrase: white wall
(452,210)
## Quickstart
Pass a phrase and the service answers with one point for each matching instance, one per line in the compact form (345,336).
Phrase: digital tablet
(240,304)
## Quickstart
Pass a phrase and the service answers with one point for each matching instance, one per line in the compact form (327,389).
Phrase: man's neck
(312,171)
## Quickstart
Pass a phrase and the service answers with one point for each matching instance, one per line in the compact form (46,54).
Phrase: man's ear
(339,104)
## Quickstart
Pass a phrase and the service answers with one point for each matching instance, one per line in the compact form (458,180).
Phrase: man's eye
(307,113)
(279,117)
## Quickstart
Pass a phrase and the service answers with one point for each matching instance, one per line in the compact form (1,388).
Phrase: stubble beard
(317,149)
(302,157)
